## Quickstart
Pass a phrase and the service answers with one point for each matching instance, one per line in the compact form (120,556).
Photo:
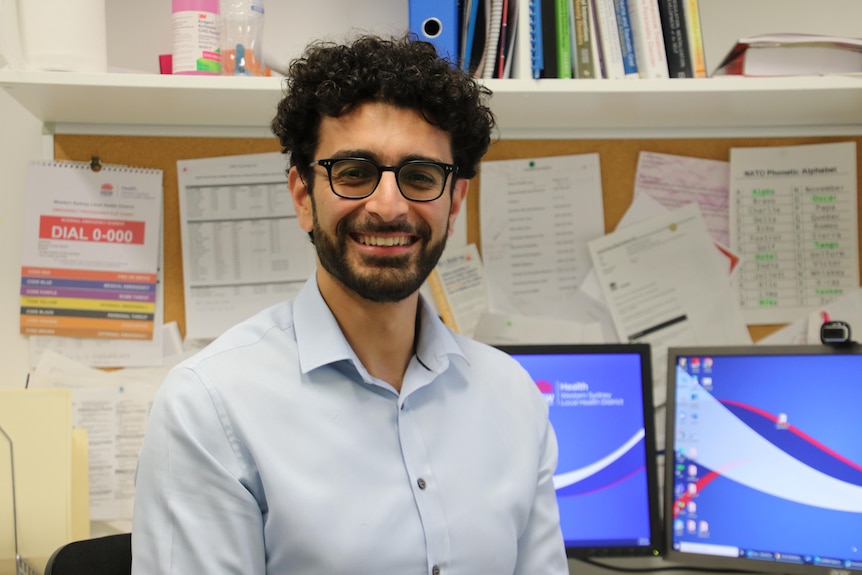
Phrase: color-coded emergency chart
(90,255)
(92,304)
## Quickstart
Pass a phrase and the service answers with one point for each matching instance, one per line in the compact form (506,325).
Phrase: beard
(387,279)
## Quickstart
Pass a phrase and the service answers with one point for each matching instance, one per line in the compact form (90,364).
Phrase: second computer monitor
(764,458)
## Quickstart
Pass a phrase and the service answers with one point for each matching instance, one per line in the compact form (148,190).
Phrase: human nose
(387,201)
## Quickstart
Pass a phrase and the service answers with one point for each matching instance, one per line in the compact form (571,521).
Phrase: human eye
(421,176)
(353,173)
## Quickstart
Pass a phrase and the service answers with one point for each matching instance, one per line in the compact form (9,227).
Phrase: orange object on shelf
(249,64)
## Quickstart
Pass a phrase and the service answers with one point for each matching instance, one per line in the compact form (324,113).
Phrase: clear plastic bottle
(242,38)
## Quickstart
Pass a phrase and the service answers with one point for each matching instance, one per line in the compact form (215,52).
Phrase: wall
(21,140)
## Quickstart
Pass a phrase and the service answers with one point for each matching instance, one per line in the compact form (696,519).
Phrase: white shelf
(136,103)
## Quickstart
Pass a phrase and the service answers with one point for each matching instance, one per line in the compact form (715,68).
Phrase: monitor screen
(764,458)
(600,404)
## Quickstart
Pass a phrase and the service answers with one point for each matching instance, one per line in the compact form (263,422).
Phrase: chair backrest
(109,555)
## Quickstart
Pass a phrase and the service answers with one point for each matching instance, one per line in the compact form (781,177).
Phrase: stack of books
(567,38)
(613,39)
(792,55)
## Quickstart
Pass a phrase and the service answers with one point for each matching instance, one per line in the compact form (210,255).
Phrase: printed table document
(793,220)
(536,218)
(243,249)
(665,284)
(90,251)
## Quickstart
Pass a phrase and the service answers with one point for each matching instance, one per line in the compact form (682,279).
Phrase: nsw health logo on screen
(547,389)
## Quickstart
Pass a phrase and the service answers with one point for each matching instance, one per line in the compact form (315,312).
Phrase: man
(349,431)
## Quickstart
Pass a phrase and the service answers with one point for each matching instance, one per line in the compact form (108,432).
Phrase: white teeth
(387,241)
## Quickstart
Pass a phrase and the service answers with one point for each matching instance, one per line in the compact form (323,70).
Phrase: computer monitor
(600,403)
(764,458)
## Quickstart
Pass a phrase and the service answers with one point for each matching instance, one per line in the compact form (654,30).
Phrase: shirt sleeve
(193,510)
(541,550)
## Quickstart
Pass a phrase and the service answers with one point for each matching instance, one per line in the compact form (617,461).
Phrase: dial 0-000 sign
(91,230)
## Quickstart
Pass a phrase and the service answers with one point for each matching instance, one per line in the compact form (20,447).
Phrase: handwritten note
(674,181)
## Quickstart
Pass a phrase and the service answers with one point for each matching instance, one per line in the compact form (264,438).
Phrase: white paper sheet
(454,245)
(793,219)
(665,284)
(242,247)
(459,288)
(536,218)
(115,418)
(806,328)
(644,207)
(503,329)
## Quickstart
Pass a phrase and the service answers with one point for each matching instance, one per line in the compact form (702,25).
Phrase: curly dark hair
(332,79)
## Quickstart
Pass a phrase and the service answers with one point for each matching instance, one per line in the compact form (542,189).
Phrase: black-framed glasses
(357,178)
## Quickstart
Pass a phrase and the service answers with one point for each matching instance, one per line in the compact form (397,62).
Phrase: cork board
(618,159)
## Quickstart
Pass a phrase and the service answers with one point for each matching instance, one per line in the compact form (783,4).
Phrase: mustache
(422,230)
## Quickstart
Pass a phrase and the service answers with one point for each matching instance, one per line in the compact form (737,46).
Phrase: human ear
(301,199)
(459,196)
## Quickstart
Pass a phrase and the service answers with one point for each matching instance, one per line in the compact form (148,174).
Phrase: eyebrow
(369,155)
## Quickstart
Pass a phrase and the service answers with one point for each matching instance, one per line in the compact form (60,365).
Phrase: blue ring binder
(537,59)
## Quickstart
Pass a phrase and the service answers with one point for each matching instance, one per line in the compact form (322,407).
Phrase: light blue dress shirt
(274,451)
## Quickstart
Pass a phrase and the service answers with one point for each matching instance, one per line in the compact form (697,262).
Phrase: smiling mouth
(385,241)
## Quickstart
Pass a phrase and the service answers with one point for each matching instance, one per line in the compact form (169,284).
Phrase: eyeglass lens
(356,178)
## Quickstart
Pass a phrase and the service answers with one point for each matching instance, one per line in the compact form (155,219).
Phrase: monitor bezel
(717,561)
(655,548)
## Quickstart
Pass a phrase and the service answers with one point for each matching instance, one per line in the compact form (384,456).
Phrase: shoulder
(270,327)
(495,371)
(264,342)
(494,384)
(487,357)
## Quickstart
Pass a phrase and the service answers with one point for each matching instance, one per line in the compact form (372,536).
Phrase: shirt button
(435,570)
(421,484)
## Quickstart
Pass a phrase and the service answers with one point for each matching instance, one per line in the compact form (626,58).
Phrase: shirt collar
(320,341)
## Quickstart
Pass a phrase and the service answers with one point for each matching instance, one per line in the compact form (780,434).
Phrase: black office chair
(109,555)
